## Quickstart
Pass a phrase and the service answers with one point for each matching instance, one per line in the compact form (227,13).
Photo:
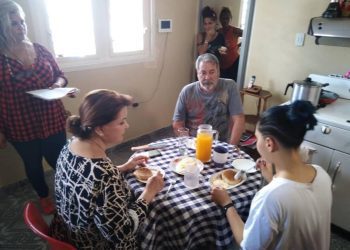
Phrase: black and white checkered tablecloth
(187,218)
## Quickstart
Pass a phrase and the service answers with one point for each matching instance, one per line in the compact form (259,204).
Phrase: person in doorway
(210,41)
(293,211)
(210,100)
(229,60)
(95,207)
(35,127)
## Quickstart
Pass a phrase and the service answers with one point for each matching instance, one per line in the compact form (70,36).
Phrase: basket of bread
(226,179)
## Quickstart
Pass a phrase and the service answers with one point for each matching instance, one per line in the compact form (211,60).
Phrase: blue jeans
(32,154)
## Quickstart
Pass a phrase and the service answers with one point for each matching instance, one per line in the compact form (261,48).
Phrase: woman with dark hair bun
(293,211)
(95,208)
(210,41)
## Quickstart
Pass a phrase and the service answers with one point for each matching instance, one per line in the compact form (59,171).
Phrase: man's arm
(238,127)
(177,125)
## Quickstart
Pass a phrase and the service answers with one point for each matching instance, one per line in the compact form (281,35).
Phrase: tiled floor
(15,235)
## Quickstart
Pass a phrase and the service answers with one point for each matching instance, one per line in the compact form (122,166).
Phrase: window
(94,33)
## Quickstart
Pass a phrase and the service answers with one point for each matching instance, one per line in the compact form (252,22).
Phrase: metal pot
(306,90)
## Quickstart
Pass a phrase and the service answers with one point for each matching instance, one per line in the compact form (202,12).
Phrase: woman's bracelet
(226,207)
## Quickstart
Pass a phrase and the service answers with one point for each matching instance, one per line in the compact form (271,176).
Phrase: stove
(329,143)
(338,112)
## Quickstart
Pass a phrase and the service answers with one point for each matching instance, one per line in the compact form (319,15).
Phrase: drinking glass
(183,135)
(192,176)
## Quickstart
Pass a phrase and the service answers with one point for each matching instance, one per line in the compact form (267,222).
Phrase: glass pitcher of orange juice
(204,142)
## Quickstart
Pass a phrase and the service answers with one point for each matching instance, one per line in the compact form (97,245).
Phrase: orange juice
(203,146)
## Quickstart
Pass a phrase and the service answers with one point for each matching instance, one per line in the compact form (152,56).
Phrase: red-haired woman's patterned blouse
(22,116)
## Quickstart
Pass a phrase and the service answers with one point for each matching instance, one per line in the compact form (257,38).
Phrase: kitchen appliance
(307,90)
(330,144)
(330,31)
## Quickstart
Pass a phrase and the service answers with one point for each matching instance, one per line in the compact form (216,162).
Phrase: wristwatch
(226,207)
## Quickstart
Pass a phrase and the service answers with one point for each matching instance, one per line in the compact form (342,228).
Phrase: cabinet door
(321,156)
(340,172)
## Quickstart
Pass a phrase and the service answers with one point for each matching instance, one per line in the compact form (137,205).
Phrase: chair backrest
(36,223)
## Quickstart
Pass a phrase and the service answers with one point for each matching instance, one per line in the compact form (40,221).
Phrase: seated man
(211,101)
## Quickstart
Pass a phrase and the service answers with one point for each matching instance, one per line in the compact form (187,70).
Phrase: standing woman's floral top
(95,208)
(22,116)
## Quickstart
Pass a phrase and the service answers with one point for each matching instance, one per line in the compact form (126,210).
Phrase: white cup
(220,154)
(192,176)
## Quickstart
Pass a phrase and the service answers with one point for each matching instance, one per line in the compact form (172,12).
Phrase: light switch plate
(299,39)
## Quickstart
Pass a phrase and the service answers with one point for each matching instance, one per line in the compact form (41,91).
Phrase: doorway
(242,17)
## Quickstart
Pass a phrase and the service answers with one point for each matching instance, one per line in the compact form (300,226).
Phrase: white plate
(244,164)
(218,176)
(154,171)
(191,143)
(176,160)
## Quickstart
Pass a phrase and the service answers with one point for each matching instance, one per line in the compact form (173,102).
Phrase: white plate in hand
(246,165)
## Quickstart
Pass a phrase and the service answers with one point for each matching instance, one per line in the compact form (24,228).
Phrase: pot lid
(308,82)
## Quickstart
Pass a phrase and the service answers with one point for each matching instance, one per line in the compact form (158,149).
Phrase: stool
(262,96)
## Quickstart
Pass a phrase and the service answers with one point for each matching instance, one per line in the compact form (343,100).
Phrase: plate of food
(179,164)
(246,165)
(142,174)
(225,179)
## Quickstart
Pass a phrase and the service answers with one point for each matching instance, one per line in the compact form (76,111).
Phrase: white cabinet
(337,164)
(340,172)
(321,155)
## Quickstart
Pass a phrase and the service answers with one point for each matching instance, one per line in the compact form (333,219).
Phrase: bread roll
(219,183)
(143,174)
(228,176)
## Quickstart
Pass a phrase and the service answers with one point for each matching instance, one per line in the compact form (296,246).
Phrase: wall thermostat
(165,25)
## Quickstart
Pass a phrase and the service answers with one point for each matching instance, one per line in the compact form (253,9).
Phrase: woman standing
(95,208)
(229,60)
(210,41)
(293,211)
(35,127)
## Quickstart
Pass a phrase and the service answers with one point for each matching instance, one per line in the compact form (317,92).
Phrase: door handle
(326,130)
(337,169)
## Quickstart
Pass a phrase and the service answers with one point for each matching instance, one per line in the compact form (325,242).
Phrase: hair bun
(303,112)
(74,121)
(208,12)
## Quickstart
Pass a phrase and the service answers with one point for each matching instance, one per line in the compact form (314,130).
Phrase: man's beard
(207,84)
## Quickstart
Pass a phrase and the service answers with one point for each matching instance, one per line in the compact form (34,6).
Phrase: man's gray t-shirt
(196,107)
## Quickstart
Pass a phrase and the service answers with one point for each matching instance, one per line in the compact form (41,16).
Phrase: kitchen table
(188,218)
